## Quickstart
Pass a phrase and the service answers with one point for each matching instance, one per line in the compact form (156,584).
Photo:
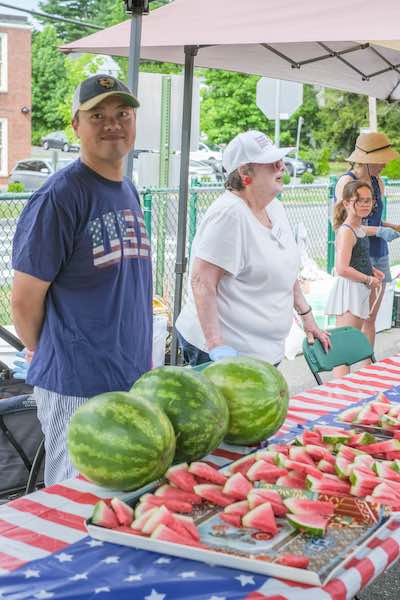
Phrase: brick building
(15,92)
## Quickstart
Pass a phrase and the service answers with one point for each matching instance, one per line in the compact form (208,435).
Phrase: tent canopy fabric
(325,43)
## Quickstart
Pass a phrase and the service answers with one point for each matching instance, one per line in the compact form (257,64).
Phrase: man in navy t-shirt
(82,290)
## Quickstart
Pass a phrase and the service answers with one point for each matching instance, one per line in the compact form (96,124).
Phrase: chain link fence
(306,204)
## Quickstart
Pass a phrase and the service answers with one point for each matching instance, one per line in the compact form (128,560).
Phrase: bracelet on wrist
(306,312)
(369,281)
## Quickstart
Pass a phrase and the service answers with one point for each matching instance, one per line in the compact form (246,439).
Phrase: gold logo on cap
(106,82)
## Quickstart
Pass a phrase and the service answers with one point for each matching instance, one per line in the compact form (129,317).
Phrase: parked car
(207,152)
(33,172)
(302,166)
(206,172)
(58,140)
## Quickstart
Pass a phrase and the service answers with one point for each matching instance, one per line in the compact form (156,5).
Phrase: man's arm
(27,303)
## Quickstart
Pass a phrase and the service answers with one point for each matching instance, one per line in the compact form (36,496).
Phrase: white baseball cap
(251,147)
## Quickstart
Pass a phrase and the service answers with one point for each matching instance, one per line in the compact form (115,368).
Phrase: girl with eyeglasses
(358,284)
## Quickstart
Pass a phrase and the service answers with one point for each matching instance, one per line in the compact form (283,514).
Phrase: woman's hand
(374,282)
(378,274)
(312,331)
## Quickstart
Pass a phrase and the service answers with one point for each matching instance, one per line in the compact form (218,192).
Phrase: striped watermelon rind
(257,395)
(121,441)
(197,410)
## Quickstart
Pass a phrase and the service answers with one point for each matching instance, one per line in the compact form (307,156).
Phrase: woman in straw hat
(244,264)
(372,152)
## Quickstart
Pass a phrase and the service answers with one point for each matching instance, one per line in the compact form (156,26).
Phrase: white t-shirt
(255,297)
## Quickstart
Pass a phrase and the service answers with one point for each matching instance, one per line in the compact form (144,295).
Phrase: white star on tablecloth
(31,573)
(187,574)
(133,578)
(63,557)
(162,561)
(111,560)
(79,576)
(155,596)
(246,579)
(102,589)
(42,595)
(94,543)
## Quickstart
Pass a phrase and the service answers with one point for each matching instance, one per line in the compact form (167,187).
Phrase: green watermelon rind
(197,410)
(303,522)
(257,396)
(121,441)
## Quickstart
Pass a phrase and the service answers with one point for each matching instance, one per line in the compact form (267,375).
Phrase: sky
(28,4)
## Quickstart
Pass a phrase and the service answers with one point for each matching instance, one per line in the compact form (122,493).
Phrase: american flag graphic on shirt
(118,235)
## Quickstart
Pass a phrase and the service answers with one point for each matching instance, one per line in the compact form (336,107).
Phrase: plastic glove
(220,352)
(20,370)
(387,233)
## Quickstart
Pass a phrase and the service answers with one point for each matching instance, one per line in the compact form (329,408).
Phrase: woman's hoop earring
(246,180)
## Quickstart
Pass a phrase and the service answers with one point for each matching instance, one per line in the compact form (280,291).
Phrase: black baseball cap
(93,90)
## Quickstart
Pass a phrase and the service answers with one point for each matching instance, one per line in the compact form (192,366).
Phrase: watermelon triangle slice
(311,524)
(262,517)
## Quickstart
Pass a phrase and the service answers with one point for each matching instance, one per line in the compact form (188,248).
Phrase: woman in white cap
(244,264)
(372,152)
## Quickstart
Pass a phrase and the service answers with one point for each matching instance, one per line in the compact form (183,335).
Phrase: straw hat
(373,148)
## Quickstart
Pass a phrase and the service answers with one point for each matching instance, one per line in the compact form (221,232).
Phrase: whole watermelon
(257,395)
(196,409)
(121,441)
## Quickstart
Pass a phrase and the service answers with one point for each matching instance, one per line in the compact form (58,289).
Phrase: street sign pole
(277,113)
(299,125)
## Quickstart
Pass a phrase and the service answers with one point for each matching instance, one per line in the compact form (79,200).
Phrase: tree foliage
(49,83)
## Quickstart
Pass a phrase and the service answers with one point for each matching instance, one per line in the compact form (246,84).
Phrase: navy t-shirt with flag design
(86,235)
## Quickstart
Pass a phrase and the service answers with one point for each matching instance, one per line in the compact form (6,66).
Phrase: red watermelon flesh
(327,486)
(238,508)
(326,467)
(312,524)
(214,494)
(160,516)
(237,486)
(207,472)
(386,471)
(262,471)
(268,456)
(179,475)
(384,489)
(383,447)
(301,506)
(293,560)
(232,519)
(278,448)
(126,529)
(381,408)
(303,468)
(141,519)
(261,517)
(243,464)
(382,398)
(300,454)
(311,437)
(319,453)
(189,525)
(170,492)
(123,512)
(347,416)
(166,534)
(172,504)
(291,481)
(395,455)
(395,485)
(255,499)
(104,516)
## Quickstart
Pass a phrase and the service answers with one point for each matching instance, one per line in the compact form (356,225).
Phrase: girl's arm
(345,241)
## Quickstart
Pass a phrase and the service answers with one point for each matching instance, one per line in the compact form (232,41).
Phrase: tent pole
(133,73)
(180,264)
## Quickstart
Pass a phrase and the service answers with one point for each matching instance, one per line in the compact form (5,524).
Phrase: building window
(3,62)
(3,148)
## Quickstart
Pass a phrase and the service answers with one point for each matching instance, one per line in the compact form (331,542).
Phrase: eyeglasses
(364,201)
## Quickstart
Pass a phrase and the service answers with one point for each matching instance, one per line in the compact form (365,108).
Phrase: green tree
(91,11)
(49,83)
(229,106)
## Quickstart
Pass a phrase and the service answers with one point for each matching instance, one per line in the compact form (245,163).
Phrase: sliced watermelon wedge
(172,493)
(213,493)
(104,516)
(179,475)
(261,517)
(166,534)
(293,560)
(237,486)
(263,471)
(207,472)
(301,506)
(238,508)
(123,511)
(232,519)
(311,524)
(242,465)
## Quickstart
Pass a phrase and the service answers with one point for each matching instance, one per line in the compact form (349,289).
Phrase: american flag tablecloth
(45,553)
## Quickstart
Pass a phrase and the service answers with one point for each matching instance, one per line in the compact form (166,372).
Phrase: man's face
(107,132)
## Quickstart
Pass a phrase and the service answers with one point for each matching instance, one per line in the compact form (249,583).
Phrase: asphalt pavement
(299,378)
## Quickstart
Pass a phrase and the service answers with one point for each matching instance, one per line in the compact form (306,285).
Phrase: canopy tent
(310,41)
(332,43)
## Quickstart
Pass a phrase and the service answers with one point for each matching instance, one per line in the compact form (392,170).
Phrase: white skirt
(348,296)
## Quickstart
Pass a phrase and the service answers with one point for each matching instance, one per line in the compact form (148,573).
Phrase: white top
(255,297)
